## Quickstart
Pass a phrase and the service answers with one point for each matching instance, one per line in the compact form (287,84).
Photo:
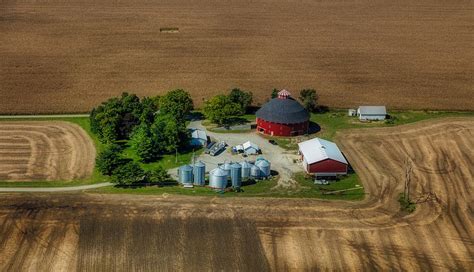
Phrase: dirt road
(77,232)
(50,150)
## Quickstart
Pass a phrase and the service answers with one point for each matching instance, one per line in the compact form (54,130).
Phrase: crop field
(94,232)
(44,151)
(59,56)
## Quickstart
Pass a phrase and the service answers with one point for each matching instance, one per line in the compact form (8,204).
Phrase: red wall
(327,166)
(281,129)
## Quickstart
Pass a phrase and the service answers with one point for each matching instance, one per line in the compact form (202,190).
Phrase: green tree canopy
(309,99)
(116,118)
(128,173)
(220,109)
(144,143)
(275,93)
(177,103)
(244,99)
(109,159)
(158,175)
(169,133)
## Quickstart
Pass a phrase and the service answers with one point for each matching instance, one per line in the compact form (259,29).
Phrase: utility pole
(176,157)
(408,172)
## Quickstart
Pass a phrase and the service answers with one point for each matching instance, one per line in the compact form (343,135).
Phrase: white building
(198,137)
(250,148)
(372,113)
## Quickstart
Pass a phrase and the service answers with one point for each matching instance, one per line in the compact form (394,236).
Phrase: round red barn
(282,116)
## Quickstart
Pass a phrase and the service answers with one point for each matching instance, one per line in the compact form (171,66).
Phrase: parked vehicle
(217,148)
(209,146)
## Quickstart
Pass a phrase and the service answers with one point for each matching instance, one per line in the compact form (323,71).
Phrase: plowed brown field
(32,151)
(68,56)
(122,233)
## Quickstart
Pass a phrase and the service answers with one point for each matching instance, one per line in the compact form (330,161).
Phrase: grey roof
(372,110)
(286,111)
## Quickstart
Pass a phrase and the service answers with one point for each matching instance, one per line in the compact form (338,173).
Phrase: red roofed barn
(282,116)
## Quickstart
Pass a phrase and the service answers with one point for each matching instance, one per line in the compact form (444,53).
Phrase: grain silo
(236,175)
(199,173)
(245,169)
(185,173)
(264,167)
(255,172)
(218,178)
(226,167)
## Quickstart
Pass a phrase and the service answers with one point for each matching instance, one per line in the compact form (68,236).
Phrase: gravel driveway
(281,160)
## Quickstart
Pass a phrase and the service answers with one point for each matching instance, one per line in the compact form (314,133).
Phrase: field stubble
(126,232)
(68,57)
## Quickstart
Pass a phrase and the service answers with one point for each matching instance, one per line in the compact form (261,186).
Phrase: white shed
(198,137)
(371,113)
(250,148)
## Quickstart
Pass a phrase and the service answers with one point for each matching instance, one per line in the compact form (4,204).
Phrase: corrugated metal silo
(218,178)
(245,169)
(185,174)
(226,167)
(255,171)
(236,175)
(264,166)
(199,173)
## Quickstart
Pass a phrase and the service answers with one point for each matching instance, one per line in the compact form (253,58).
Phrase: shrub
(405,204)
(109,159)
(128,173)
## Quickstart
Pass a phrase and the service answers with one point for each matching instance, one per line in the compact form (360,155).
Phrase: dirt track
(107,232)
(32,151)
(68,56)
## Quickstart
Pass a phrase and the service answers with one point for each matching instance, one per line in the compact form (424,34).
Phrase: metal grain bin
(226,167)
(236,175)
(245,169)
(199,173)
(218,179)
(185,173)
(264,166)
(254,171)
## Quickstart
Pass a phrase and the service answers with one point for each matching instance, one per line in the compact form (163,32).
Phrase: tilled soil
(92,232)
(32,151)
(68,56)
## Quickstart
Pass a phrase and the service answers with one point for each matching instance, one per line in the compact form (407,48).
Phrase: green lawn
(262,188)
(168,161)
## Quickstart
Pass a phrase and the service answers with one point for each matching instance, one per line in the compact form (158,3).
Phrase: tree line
(152,126)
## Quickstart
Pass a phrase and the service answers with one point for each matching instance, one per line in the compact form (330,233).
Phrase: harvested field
(44,151)
(69,56)
(124,232)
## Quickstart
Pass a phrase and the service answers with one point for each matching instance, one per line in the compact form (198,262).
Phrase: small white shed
(250,148)
(369,113)
(198,137)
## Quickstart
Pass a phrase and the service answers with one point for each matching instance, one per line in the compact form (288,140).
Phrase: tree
(309,98)
(158,175)
(109,159)
(220,109)
(244,99)
(116,118)
(128,173)
(143,142)
(169,133)
(275,93)
(149,108)
(177,103)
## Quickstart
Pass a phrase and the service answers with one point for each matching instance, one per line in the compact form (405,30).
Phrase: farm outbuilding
(198,137)
(250,148)
(322,158)
(375,113)
(282,116)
